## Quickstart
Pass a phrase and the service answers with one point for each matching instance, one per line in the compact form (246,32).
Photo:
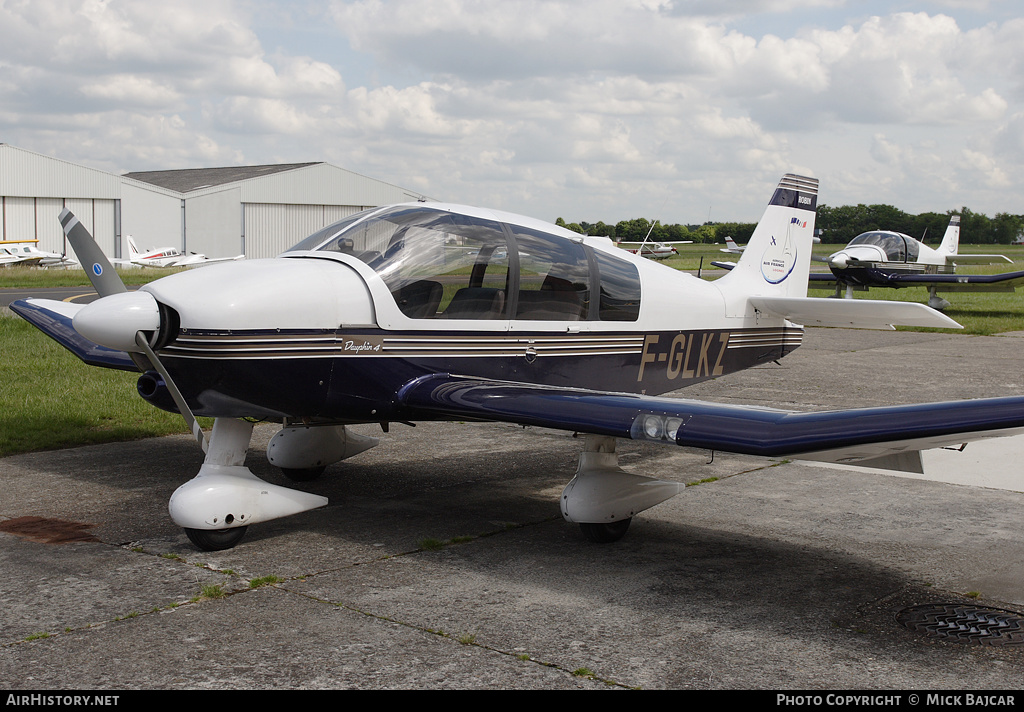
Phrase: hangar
(258,211)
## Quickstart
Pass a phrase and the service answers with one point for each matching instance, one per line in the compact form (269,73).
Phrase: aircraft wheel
(303,474)
(215,539)
(606,533)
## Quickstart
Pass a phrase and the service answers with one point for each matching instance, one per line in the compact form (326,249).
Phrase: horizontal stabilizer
(53,318)
(855,313)
(977,259)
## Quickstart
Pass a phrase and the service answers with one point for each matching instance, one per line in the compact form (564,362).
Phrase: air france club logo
(779,258)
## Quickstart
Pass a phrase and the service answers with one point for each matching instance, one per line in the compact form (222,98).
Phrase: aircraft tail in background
(951,240)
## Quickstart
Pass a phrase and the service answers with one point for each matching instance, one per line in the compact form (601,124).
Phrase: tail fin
(133,250)
(777,259)
(951,240)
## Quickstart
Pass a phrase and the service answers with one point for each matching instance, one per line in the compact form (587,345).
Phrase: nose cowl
(114,320)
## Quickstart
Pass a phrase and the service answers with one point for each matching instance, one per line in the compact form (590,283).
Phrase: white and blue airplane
(373,320)
(884,258)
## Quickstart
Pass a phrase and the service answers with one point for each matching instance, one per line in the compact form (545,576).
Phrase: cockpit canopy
(896,246)
(444,264)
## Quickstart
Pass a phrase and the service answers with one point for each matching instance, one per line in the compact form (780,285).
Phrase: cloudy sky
(681,110)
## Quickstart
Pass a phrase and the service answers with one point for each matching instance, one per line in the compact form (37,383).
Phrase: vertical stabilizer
(777,259)
(951,240)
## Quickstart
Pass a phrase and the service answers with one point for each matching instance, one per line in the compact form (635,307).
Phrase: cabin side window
(554,277)
(620,289)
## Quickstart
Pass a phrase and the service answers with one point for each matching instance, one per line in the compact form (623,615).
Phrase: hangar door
(36,219)
(269,229)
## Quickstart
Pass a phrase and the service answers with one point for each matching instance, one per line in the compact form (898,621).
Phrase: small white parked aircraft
(654,250)
(881,258)
(170,257)
(373,320)
(25,252)
(731,247)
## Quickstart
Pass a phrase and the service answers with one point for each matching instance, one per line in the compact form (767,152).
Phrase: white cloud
(553,107)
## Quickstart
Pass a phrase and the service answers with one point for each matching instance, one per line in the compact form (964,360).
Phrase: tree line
(835,225)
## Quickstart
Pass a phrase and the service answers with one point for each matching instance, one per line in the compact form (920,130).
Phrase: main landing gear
(217,505)
(602,498)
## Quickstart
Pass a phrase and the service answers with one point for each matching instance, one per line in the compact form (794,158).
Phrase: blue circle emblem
(97,270)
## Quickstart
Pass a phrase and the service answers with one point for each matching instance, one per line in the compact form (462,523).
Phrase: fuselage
(333,328)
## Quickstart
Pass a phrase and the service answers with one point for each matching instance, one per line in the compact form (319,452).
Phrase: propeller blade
(104,278)
(106,282)
(179,400)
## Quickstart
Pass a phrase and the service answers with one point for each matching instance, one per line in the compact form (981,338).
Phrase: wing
(200,260)
(53,318)
(1004,282)
(821,280)
(857,435)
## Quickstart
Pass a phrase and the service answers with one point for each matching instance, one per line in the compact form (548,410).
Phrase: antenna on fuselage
(647,236)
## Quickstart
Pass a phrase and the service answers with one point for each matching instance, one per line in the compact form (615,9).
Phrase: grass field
(49,399)
(22,278)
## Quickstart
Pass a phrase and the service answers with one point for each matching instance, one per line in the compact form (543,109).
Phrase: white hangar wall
(152,216)
(270,229)
(213,224)
(258,216)
(34,189)
(273,212)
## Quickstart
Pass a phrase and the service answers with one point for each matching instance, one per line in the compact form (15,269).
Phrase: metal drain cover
(960,623)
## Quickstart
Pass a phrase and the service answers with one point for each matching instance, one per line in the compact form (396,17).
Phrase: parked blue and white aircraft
(375,319)
(881,258)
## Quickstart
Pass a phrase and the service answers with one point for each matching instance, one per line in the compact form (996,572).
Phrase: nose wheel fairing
(226,495)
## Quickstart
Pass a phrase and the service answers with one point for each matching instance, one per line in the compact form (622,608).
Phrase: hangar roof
(187,180)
